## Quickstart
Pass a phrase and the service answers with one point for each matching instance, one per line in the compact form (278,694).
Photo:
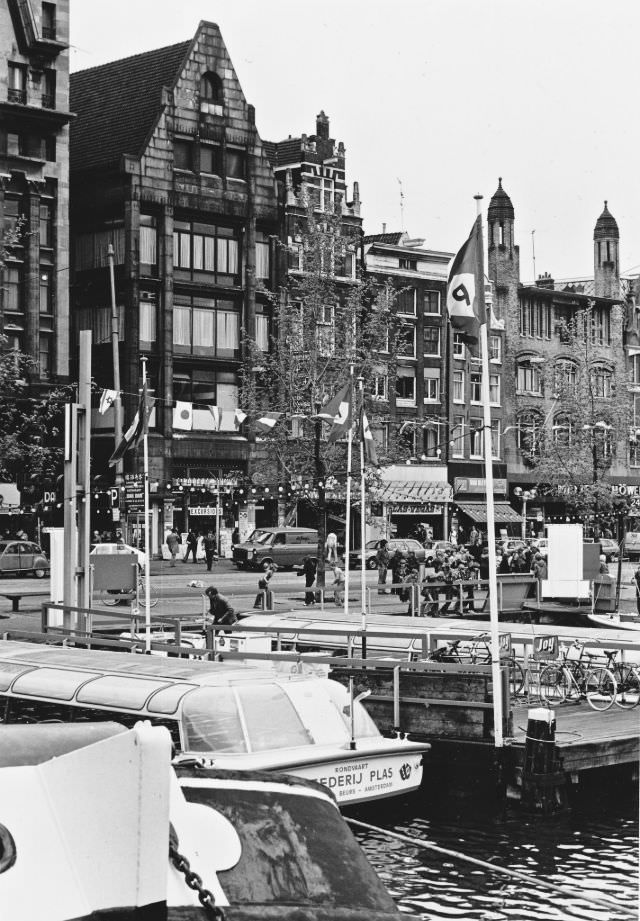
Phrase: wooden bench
(14,598)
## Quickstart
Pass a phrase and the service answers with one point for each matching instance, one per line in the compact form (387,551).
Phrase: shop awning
(477,511)
(411,492)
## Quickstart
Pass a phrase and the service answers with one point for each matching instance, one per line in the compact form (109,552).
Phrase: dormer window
(49,21)
(211,88)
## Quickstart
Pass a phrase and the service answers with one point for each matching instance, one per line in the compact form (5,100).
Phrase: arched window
(601,379)
(529,434)
(211,88)
(528,376)
(566,376)
(563,429)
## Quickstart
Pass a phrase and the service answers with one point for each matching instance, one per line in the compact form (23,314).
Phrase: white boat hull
(366,778)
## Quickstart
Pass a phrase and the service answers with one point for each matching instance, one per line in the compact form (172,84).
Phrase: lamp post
(525,495)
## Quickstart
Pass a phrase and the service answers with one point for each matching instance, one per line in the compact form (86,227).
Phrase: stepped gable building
(412,394)
(34,182)
(536,351)
(167,167)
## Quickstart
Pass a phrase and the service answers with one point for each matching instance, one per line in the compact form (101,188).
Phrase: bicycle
(113,596)
(627,676)
(570,677)
(451,652)
(481,655)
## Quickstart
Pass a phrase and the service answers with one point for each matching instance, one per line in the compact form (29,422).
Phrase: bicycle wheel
(628,680)
(111,597)
(153,598)
(600,687)
(555,684)
(516,677)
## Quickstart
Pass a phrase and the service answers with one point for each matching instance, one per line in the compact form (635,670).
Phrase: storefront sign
(625,489)
(210,482)
(205,510)
(478,485)
(415,508)
(134,491)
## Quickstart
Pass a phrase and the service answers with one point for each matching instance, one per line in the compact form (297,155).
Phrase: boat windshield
(248,718)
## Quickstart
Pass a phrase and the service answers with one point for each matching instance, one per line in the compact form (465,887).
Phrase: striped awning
(410,492)
(477,511)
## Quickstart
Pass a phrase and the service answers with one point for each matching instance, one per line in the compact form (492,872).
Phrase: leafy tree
(325,322)
(573,449)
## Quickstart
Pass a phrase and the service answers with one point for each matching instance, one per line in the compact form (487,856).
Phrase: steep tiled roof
(391,238)
(284,153)
(117,104)
(606,226)
(500,206)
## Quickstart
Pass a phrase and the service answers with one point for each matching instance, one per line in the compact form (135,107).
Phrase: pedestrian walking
(264,598)
(382,562)
(636,580)
(192,546)
(209,544)
(308,570)
(173,542)
(235,536)
(338,586)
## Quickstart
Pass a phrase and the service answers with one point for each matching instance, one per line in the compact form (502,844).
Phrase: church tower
(503,254)
(606,266)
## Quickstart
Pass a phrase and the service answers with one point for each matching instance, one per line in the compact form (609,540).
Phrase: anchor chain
(192,879)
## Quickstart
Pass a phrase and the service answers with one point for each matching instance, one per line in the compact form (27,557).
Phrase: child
(264,598)
(338,586)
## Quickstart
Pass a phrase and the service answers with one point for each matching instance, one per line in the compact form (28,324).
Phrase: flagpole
(363,527)
(147,545)
(347,527)
(488,467)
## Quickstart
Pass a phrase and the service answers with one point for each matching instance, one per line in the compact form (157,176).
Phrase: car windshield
(261,537)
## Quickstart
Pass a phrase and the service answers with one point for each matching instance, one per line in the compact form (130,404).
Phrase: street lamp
(525,495)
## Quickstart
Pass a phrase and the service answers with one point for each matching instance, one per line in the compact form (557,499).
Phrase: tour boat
(95,823)
(230,716)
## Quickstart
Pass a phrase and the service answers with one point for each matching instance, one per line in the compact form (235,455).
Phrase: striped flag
(266,422)
(107,399)
(217,417)
(465,291)
(339,411)
(368,443)
(139,427)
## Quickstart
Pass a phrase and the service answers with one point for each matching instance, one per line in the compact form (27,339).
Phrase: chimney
(384,227)
(322,126)
(545,281)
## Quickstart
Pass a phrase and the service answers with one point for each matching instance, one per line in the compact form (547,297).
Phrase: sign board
(545,647)
(134,491)
(472,484)
(9,496)
(114,571)
(504,644)
(205,510)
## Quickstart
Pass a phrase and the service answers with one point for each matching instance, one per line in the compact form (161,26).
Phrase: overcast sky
(435,99)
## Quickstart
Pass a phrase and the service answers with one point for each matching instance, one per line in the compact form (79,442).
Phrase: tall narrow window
(406,386)
(45,293)
(46,225)
(49,89)
(262,256)
(457,437)
(148,241)
(262,332)
(458,386)
(148,333)
(17,91)
(211,88)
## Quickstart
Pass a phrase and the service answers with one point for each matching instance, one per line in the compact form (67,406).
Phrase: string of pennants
(338,412)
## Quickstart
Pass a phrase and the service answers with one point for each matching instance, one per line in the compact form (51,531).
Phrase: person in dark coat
(397,567)
(636,580)
(209,544)
(308,570)
(504,565)
(219,607)
(382,563)
(192,546)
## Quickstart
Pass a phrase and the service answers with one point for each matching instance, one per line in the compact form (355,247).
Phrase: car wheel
(39,573)
(371,563)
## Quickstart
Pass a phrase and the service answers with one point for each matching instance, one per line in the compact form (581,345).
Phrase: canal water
(592,850)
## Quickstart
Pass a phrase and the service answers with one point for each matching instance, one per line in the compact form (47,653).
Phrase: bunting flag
(107,399)
(238,418)
(339,411)
(368,443)
(217,417)
(139,427)
(183,416)
(266,422)
(465,291)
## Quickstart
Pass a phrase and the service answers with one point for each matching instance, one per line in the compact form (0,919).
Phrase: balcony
(19,96)
(49,33)
(48,101)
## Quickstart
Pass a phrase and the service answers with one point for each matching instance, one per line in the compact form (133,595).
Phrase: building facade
(565,369)
(34,183)
(168,168)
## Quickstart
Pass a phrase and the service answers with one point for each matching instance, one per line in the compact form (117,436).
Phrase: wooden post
(543,781)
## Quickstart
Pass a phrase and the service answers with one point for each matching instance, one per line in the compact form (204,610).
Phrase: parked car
(287,547)
(404,544)
(119,547)
(21,557)
(434,546)
(632,545)
(511,544)
(539,545)
(610,548)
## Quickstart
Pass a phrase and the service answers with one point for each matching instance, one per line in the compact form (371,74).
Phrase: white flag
(107,399)
(183,416)
(238,418)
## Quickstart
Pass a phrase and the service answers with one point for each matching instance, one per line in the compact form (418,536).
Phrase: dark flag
(139,427)
(465,290)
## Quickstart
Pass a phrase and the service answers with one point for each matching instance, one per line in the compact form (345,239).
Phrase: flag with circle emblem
(183,416)
(465,291)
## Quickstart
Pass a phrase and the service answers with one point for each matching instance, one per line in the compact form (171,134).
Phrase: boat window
(51,682)
(9,670)
(119,691)
(211,722)
(167,700)
(271,719)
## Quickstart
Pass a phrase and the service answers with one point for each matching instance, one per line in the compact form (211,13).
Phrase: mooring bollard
(543,780)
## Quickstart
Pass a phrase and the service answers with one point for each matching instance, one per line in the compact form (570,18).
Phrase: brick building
(34,181)
(539,363)
(167,166)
